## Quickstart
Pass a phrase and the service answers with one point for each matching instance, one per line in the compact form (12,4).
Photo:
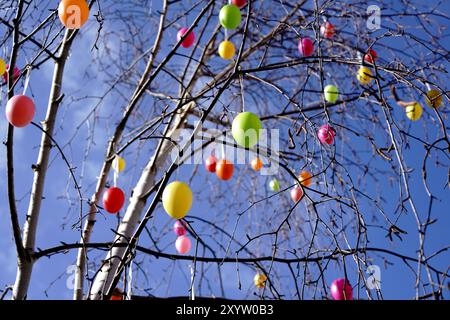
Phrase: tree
(138,93)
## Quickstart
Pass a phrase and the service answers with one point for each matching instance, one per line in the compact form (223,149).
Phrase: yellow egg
(226,50)
(364,75)
(414,111)
(433,98)
(118,164)
(2,67)
(177,199)
(260,280)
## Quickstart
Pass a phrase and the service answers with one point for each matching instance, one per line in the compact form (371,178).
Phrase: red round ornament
(189,40)
(370,56)
(20,111)
(239,3)
(306,47)
(327,30)
(113,200)
(224,170)
(296,194)
(210,164)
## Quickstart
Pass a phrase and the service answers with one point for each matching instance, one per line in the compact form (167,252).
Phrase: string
(192,281)
(130,279)
(241,80)
(27,79)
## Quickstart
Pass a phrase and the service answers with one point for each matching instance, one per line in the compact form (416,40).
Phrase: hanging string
(27,79)
(241,80)
(116,175)
(130,281)
(192,281)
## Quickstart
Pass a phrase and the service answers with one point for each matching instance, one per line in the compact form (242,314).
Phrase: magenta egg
(16,73)
(179,228)
(306,47)
(341,290)
(326,134)
(20,111)
(183,244)
(189,40)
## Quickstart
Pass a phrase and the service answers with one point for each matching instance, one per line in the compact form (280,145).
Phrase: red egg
(368,58)
(20,111)
(189,40)
(341,290)
(113,200)
(179,228)
(210,164)
(296,194)
(224,170)
(326,134)
(16,73)
(306,47)
(239,3)
(327,30)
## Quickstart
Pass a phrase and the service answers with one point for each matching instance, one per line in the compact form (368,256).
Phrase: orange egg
(224,169)
(305,178)
(256,164)
(73,13)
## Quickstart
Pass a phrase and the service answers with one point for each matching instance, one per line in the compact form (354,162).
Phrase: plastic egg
(226,50)
(296,194)
(326,134)
(260,280)
(113,200)
(230,16)
(20,111)
(73,13)
(370,56)
(2,66)
(118,164)
(256,164)
(177,199)
(189,40)
(224,170)
(433,98)
(327,30)
(117,294)
(414,111)
(364,75)
(274,185)
(341,290)
(306,47)
(305,178)
(210,164)
(331,93)
(16,73)
(239,3)
(179,228)
(183,244)
(245,129)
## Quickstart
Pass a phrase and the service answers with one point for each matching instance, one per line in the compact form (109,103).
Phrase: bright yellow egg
(177,199)
(260,280)
(414,111)
(118,164)
(364,75)
(433,98)
(226,50)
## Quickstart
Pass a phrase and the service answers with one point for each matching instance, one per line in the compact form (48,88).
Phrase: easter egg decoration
(177,199)
(183,244)
(296,194)
(73,13)
(326,134)
(370,56)
(260,280)
(16,74)
(433,98)
(414,111)
(113,200)
(189,40)
(239,3)
(305,178)
(306,47)
(210,164)
(117,294)
(179,228)
(230,16)
(20,111)
(226,50)
(245,129)
(331,93)
(364,75)
(327,30)
(224,170)
(118,164)
(256,164)
(274,185)
(341,290)
(2,66)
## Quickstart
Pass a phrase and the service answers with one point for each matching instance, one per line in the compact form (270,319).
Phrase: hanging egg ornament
(239,3)
(224,170)
(260,280)
(331,93)
(296,194)
(256,164)
(73,13)
(20,111)
(414,111)
(183,244)
(305,178)
(117,294)
(274,185)
(16,74)
(327,30)
(2,66)
(211,163)
(341,290)
(113,200)
(118,164)
(364,75)
(306,47)
(326,134)
(245,129)
(226,50)
(177,199)
(179,228)
(189,40)
(433,98)
(230,16)
(370,56)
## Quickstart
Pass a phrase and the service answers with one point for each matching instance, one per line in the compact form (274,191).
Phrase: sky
(85,79)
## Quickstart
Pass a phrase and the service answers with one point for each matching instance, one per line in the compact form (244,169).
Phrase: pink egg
(16,73)
(179,228)
(341,290)
(183,244)
(326,134)
(306,47)
(20,111)
(189,40)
